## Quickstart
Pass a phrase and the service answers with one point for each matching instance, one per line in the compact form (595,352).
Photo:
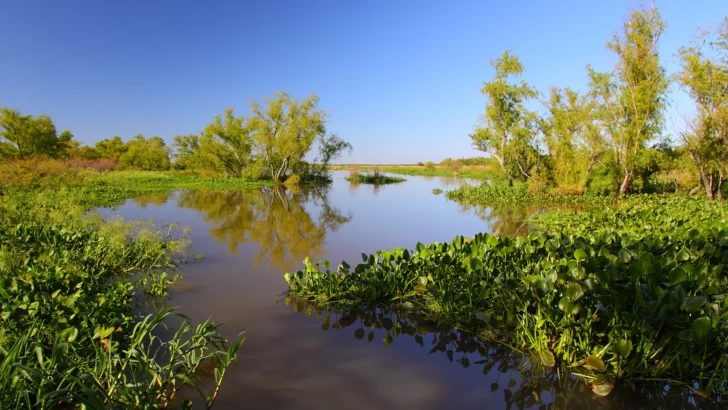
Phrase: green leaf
(691,304)
(594,362)
(687,335)
(359,334)
(682,256)
(574,291)
(677,275)
(580,254)
(419,340)
(624,255)
(547,358)
(388,339)
(623,347)
(578,272)
(422,280)
(476,264)
(701,326)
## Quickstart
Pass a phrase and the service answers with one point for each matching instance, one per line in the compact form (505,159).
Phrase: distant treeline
(271,143)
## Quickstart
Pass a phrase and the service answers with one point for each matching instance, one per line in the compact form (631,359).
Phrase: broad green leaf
(580,254)
(547,358)
(623,347)
(595,362)
(701,326)
(692,303)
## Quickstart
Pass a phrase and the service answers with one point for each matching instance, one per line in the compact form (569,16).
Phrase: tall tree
(226,144)
(285,131)
(574,142)
(506,130)
(704,76)
(633,97)
(25,136)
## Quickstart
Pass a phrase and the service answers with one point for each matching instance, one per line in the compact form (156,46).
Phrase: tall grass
(70,335)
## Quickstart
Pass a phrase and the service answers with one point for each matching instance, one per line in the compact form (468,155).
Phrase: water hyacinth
(621,302)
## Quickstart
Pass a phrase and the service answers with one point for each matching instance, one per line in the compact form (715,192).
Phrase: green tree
(111,148)
(284,132)
(574,142)
(704,76)
(25,136)
(87,152)
(632,98)
(506,131)
(148,154)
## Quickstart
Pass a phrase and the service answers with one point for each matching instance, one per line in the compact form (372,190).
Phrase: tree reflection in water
(512,220)
(153,199)
(274,217)
(524,383)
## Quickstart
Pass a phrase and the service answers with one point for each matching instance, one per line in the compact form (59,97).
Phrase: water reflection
(275,218)
(524,382)
(151,199)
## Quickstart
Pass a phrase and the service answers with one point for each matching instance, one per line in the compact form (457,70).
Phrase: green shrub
(602,181)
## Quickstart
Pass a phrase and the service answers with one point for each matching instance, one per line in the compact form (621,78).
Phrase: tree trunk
(707,183)
(625,183)
(282,170)
(719,190)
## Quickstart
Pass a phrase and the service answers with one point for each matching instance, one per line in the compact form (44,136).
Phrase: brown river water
(296,358)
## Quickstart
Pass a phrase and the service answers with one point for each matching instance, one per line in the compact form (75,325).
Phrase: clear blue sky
(401,79)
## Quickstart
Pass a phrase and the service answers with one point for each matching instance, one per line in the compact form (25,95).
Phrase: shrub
(570,189)
(293,180)
(603,181)
(38,173)
(429,165)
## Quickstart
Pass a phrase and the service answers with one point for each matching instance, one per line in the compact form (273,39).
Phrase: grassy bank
(71,333)
(486,194)
(479,172)
(376,178)
(634,293)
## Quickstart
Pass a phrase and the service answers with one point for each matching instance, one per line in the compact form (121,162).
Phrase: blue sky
(400,79)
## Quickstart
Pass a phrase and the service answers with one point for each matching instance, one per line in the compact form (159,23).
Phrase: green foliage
(488,194)
(632,293)
(507,132)
(632,99)
(704,76)
(112,148)
(572,137)
(25,136)
(270,144)
(603,181)
(147,154)
(70,333)
(437,191)
(376,178)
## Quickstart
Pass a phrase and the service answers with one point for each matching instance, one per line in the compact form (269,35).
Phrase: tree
(704,76)
(111,148)
(146,154)
(284,132)
(330,148)
(574,142)
(225,145)
(632,98)
(506,132)
(25,136)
